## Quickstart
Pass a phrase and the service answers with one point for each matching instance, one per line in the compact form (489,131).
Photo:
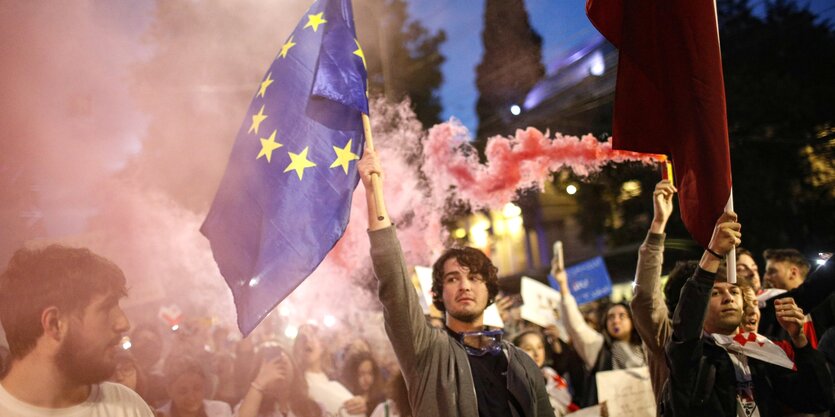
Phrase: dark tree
(509,68)
(404,58)
(778,70)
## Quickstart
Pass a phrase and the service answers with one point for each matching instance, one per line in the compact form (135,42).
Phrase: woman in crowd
(362,376)
(279,388)
(558,387)
(186,384)
(334,397)
(618,346)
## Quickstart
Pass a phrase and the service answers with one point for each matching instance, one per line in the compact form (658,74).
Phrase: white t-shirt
(107,399)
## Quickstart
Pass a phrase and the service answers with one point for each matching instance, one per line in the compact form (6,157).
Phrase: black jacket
(702,378)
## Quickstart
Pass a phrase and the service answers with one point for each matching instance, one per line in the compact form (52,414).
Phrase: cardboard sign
(627,392)
(588,280)
(542,305)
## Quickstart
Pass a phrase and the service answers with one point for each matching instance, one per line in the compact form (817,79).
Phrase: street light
(571,189)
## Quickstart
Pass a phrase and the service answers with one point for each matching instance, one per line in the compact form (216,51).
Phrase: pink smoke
(513,163)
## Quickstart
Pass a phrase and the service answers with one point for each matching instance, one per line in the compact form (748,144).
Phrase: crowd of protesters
(60,311)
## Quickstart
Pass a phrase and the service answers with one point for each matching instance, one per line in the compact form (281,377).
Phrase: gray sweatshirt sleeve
(407,329)
(648,308)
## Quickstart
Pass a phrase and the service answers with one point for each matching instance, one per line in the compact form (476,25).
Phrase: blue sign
(588,280)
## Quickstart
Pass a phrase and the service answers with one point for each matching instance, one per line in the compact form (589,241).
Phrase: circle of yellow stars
(299,161)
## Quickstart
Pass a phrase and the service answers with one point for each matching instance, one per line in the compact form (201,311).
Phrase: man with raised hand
(60,309)
(466,369)
(717,371)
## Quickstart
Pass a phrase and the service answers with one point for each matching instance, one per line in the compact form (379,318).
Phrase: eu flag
(285,197)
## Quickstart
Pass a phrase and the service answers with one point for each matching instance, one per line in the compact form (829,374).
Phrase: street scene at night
(425,208)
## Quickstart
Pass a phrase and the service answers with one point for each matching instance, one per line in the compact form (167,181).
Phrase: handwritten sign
(588,280)
(627,392)
(541,305)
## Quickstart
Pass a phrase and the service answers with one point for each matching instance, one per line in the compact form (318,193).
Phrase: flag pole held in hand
(376,185)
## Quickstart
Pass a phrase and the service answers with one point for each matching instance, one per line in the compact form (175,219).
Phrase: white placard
(424,276)
(593,411)
(492,317)
(542,305)
(627,392)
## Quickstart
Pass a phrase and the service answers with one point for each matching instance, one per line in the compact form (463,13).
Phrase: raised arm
(649,311)
(586,341)
(406,326)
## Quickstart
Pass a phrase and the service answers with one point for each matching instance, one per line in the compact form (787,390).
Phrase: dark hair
(792,256)
(300,402)
(681,272)
(517,339)
(59,276)
(350,377)
(474,260)
(634,337)
(743,251)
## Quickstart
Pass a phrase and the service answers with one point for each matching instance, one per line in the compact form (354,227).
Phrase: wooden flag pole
(376,184)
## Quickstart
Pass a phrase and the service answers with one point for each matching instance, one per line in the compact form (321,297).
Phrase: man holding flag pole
(465,369)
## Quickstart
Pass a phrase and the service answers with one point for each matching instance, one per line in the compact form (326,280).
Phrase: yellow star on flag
(299,162)
(256,120)
(264,84)
(344,156)
(360,54)
(314,20)
(286,47)
(268,145)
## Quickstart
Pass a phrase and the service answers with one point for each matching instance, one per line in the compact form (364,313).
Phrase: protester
(278,389)
(466,370)
(558,386)
(786,271)
(746,268)
(617,347)
(147,348)
(187,385)
(60,309)
(709,374)
(361,375)
(651,316)
(567,363)
(334,396)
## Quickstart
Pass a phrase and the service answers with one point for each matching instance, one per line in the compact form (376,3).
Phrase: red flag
(670,96)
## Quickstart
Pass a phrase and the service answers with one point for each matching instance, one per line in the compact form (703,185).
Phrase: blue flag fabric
(285,198)
(587,280)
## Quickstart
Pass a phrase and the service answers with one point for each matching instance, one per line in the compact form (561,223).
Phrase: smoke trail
(514,163)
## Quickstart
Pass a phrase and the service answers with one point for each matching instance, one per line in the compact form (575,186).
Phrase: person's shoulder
(119,397)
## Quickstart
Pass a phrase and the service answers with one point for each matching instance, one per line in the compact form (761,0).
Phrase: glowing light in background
(284,309)
(460,233)
(597,65)
(571,189)
(515,110)
(329,320)
(291,331)
(511,210)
